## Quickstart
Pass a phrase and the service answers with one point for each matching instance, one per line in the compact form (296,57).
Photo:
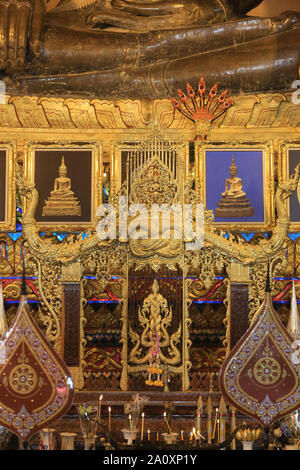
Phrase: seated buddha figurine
(234,202)
(62,200)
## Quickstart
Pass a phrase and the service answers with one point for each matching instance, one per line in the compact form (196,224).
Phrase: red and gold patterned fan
(36,387)
(258,377)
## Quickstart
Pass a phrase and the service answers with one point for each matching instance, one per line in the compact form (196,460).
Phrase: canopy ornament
(202,110)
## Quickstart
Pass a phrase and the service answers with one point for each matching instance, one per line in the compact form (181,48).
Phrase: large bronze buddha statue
(126,49)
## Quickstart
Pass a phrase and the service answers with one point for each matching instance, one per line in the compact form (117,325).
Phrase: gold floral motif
(155,185)
(23,379)
(267,370)
(100,359)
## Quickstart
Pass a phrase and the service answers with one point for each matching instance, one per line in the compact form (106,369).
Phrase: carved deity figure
(155,303)
(62,200)
(132,50)
(159,347)
(234,202)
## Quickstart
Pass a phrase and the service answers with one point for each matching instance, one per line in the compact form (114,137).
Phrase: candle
(99,408)
(109,418)
(157,436)
(142,430)
(181,435)
(148,434)
(130,424)
(215,423)
(198,421)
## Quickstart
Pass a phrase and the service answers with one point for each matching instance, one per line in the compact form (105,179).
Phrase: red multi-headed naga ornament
(201,109)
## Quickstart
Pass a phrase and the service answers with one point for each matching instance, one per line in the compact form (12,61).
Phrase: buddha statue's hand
(17,23)
(160,14)
(287,20)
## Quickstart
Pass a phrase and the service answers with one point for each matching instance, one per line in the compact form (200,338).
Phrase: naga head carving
(200,109)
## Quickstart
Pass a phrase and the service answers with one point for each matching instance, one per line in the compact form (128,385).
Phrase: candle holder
(133,410)
(90,442)
(67,440)
(170,438)
(88,424)
(129,436)
(247,437)
(47,441)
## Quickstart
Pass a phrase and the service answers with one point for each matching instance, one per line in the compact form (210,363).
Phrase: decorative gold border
(116,164)
(9,224)
(268,179)
(283,172)
(96,185)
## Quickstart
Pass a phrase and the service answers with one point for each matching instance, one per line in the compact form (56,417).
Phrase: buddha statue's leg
(66,50)
(274,66)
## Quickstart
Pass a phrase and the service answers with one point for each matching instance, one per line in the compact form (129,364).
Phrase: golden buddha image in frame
(289,158)
(68,179)
(235,181)
(7,186)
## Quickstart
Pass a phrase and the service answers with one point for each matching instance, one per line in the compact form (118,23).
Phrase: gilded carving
(55,260)
(6,255)
(248,111)
(155,347)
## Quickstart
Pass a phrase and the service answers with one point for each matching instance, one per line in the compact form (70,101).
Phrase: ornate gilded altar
(117,338)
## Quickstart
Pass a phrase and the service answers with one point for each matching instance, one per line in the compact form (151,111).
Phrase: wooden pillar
(72,331)
(238,301)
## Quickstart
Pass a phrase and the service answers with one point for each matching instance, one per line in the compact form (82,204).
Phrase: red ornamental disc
(36,387)
(258,376)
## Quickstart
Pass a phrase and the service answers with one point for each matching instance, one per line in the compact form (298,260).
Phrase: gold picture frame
(206,177)
(286,166)
(8,196)
(83,160)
